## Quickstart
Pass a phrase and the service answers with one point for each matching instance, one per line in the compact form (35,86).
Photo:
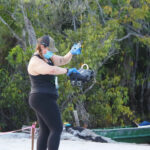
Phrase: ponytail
(38,48)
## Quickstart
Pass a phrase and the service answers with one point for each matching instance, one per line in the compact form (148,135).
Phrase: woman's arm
(61,60)
(38,66)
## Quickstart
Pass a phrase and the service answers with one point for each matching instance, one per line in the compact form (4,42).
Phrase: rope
(3,133)
(33,127)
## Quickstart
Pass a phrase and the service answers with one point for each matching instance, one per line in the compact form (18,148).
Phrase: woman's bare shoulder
(35,59)
(33,62)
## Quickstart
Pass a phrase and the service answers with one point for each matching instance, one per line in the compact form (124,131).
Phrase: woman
(42,68)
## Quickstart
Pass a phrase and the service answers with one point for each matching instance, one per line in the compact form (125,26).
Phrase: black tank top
(43,83)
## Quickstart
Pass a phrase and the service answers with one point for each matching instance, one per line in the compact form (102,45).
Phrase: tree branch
(110,54)
(69,99)
(12,31)
(128,35)
(101,11)
(90,87)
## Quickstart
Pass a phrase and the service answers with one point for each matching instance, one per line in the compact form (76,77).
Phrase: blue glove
(72,70)
(48,55)
(76,49)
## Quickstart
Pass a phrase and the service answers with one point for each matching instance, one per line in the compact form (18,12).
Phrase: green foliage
(14,90)
(67,114)
(17,56)
(108,105)
(105,28)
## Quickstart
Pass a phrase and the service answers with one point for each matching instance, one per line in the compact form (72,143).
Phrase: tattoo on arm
(61,60)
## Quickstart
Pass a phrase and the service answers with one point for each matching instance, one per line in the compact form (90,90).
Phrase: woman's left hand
(72,70)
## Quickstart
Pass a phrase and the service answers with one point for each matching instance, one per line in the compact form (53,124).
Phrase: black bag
(84,76)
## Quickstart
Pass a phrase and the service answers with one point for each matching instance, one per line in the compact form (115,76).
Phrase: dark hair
(38,47)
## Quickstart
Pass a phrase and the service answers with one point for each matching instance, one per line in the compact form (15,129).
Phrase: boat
(140,134)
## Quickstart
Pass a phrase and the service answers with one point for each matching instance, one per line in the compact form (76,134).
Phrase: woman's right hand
(76,49)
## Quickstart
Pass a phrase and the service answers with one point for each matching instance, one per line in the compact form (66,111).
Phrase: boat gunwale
(134,128)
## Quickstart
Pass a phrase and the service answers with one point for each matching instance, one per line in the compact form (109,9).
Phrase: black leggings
(49,120)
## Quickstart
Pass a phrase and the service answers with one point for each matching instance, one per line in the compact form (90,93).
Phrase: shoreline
(16,141)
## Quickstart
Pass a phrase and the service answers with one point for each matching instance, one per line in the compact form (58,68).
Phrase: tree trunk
(82,113)
(132,84)
(74,23)
(147,88)
(101,12)
(29,28)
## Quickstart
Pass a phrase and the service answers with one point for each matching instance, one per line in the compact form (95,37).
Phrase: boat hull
(129,135)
